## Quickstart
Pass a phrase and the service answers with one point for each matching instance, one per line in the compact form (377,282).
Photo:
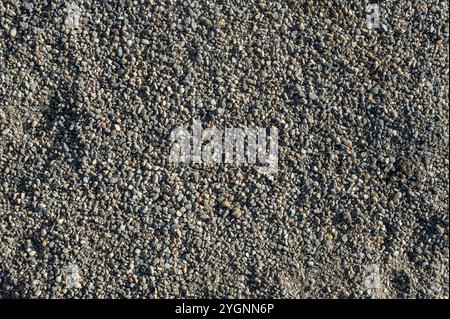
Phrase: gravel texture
(90,205)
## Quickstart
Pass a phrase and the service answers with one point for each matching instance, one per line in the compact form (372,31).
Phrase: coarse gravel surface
(92,207)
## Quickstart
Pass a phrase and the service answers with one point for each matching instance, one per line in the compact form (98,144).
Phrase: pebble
(86,180)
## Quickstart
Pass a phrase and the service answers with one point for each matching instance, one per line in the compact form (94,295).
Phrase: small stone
(348,143)
(440,230)
(119,52)
(29,6)
(237,213)
(393,114)
(312,95)
(347,217)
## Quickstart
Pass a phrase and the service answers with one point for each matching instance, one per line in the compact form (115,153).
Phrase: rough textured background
(85,118)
